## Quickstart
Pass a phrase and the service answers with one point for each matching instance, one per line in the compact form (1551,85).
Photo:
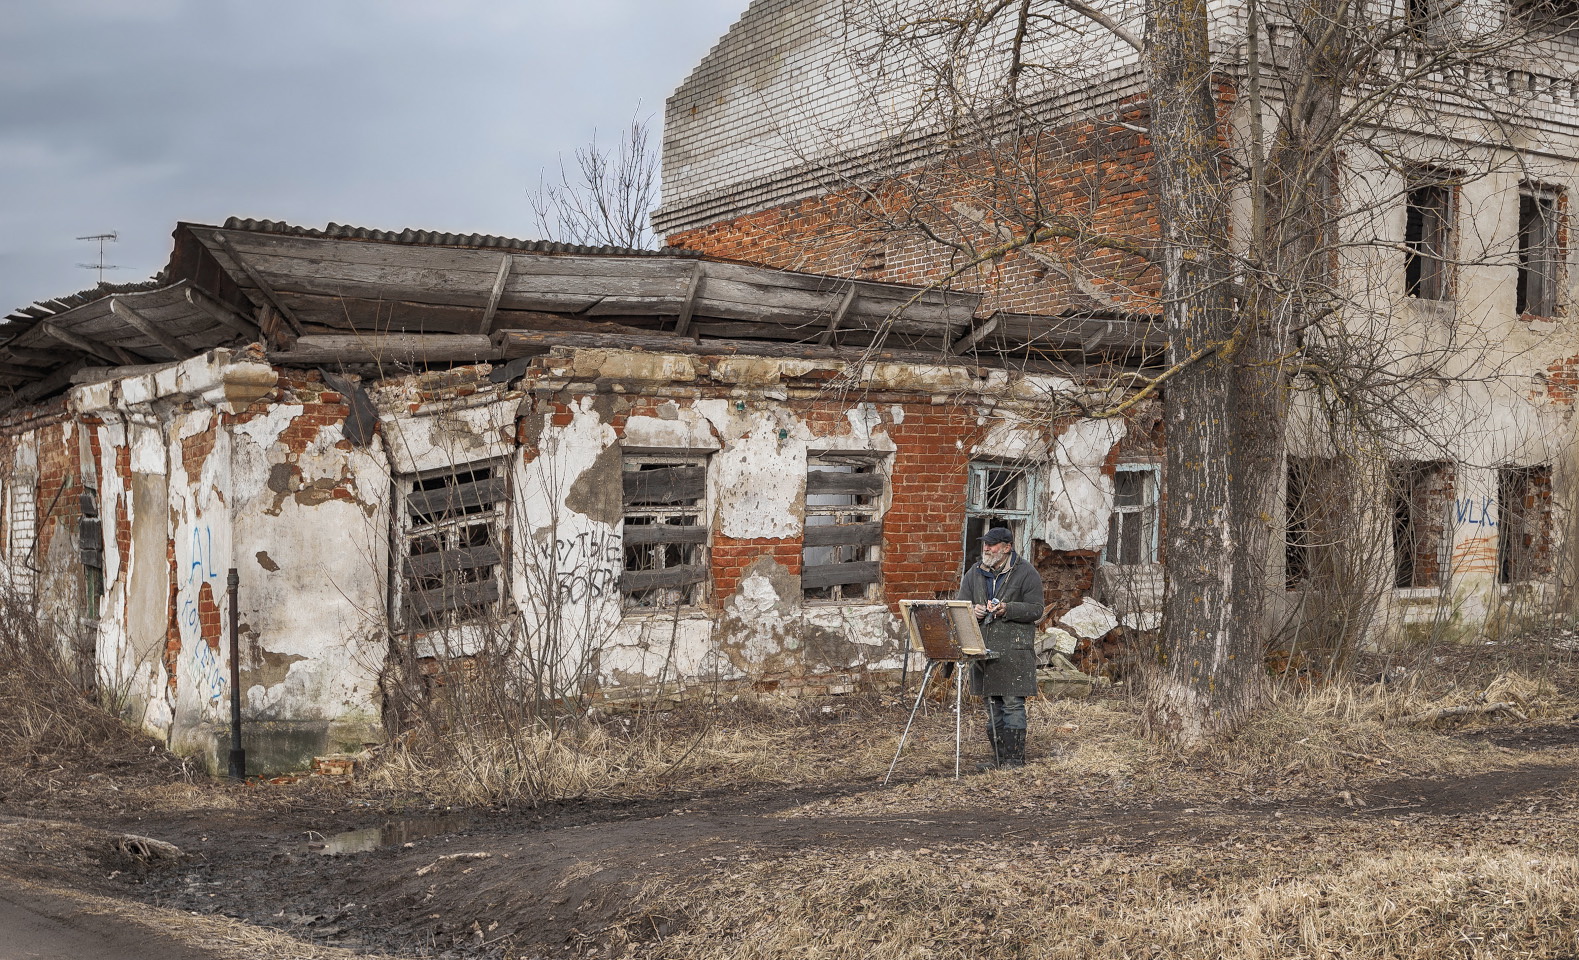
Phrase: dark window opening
(1132,527)
(1422,495)
(1540,253)
(1523,522)
(1428,238)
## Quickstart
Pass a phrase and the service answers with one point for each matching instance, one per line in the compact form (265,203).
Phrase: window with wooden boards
(843,538)
(450,545)
(664,531)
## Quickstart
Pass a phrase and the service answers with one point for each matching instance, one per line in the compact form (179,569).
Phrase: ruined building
(646,471)
(1431,487)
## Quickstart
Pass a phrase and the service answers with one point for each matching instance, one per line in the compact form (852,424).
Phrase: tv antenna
(101,266)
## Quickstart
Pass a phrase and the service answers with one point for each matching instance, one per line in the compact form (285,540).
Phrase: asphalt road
(39,927)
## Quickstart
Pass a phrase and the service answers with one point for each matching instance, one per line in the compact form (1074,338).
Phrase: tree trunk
(1209,675)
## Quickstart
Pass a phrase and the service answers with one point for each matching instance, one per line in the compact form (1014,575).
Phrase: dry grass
(1173,902)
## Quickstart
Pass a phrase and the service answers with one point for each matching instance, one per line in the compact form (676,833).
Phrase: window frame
(1523,534)
(1149,509)
(1413,536)
(854,526)
(980,516)
(665,586)
(1539,282)
(1430,235)
(463,595)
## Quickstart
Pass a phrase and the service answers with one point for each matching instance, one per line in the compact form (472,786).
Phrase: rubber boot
(1011,746)
(995,739)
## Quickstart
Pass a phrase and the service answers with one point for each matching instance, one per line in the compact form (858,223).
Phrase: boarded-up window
(998,496)
(451,545)
(1132,528)
(664,531)
(21,534)
(1428,237)
(1540,252)
(1422,494)
(844,527)
(90,542)
(1524,496)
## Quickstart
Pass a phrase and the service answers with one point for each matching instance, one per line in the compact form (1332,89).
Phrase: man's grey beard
(996,563)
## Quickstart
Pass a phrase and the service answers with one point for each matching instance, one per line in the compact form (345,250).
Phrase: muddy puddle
(395,833)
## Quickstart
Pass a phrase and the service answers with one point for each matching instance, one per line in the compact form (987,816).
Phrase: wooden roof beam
(263,285)
(223,313)
(104,351)
(976,334)
(688,309)
(837,317)
(178,350)
(505,266)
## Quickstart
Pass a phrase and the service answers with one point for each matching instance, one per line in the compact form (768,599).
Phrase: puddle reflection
(392,834)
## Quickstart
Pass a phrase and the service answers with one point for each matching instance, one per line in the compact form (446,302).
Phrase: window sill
(664,613)
(1418,594)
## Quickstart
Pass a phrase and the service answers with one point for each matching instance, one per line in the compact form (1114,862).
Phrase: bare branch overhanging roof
(348,294)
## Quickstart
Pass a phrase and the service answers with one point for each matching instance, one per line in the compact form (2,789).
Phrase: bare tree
(607,198)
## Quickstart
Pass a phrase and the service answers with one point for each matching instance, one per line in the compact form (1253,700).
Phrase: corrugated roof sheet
(44,309)
(340,231)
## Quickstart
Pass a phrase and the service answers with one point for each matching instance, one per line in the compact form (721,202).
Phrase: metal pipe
(238,756)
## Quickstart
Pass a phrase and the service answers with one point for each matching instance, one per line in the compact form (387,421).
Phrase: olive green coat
(1013,635)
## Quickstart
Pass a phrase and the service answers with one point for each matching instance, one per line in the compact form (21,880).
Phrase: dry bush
(56,739)
(693,747)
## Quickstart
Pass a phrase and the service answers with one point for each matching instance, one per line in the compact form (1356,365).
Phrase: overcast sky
(129,115)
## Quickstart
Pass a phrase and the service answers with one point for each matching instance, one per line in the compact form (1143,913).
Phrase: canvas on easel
(943,629)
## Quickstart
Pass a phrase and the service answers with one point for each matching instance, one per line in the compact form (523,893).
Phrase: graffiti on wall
(1476,511)
(587,566)
(203,572)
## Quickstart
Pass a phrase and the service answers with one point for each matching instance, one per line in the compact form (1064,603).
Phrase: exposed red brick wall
(731,557)
(1093,179)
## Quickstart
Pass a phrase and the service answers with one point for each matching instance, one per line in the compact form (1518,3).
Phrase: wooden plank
(498,290)
(837,574)
(450,259)
(666,485)
(843,534)
(257,279)
(638,534)
(19,372)
(40,358)
(840,482)
(38,389)
(140,323)
(451,561)
(683,323)
(635,581)
(88,375)
(448,500)
(983,329)
(521,343)
(223,313)
(315,349)
(477,596)
(101,350)
(837,317)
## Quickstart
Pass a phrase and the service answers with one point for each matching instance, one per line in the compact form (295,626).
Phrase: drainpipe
(238,756)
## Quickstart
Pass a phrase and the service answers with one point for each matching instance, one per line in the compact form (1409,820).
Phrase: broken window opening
(1132,527)
(1541,252)
(841,553)
(451,545)
(1523,522)
(1422,494)
(1311,498)
(1428,237)
(664,532)
(997,496)
(90,544)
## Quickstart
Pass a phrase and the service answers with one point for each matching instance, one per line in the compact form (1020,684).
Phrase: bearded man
(1005,592)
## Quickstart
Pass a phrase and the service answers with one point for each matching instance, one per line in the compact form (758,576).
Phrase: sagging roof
(349,295)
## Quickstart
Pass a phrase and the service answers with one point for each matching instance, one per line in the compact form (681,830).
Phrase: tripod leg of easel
(925,676)
(959,700)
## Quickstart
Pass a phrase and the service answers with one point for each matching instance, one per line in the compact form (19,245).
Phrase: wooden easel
(946,632)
